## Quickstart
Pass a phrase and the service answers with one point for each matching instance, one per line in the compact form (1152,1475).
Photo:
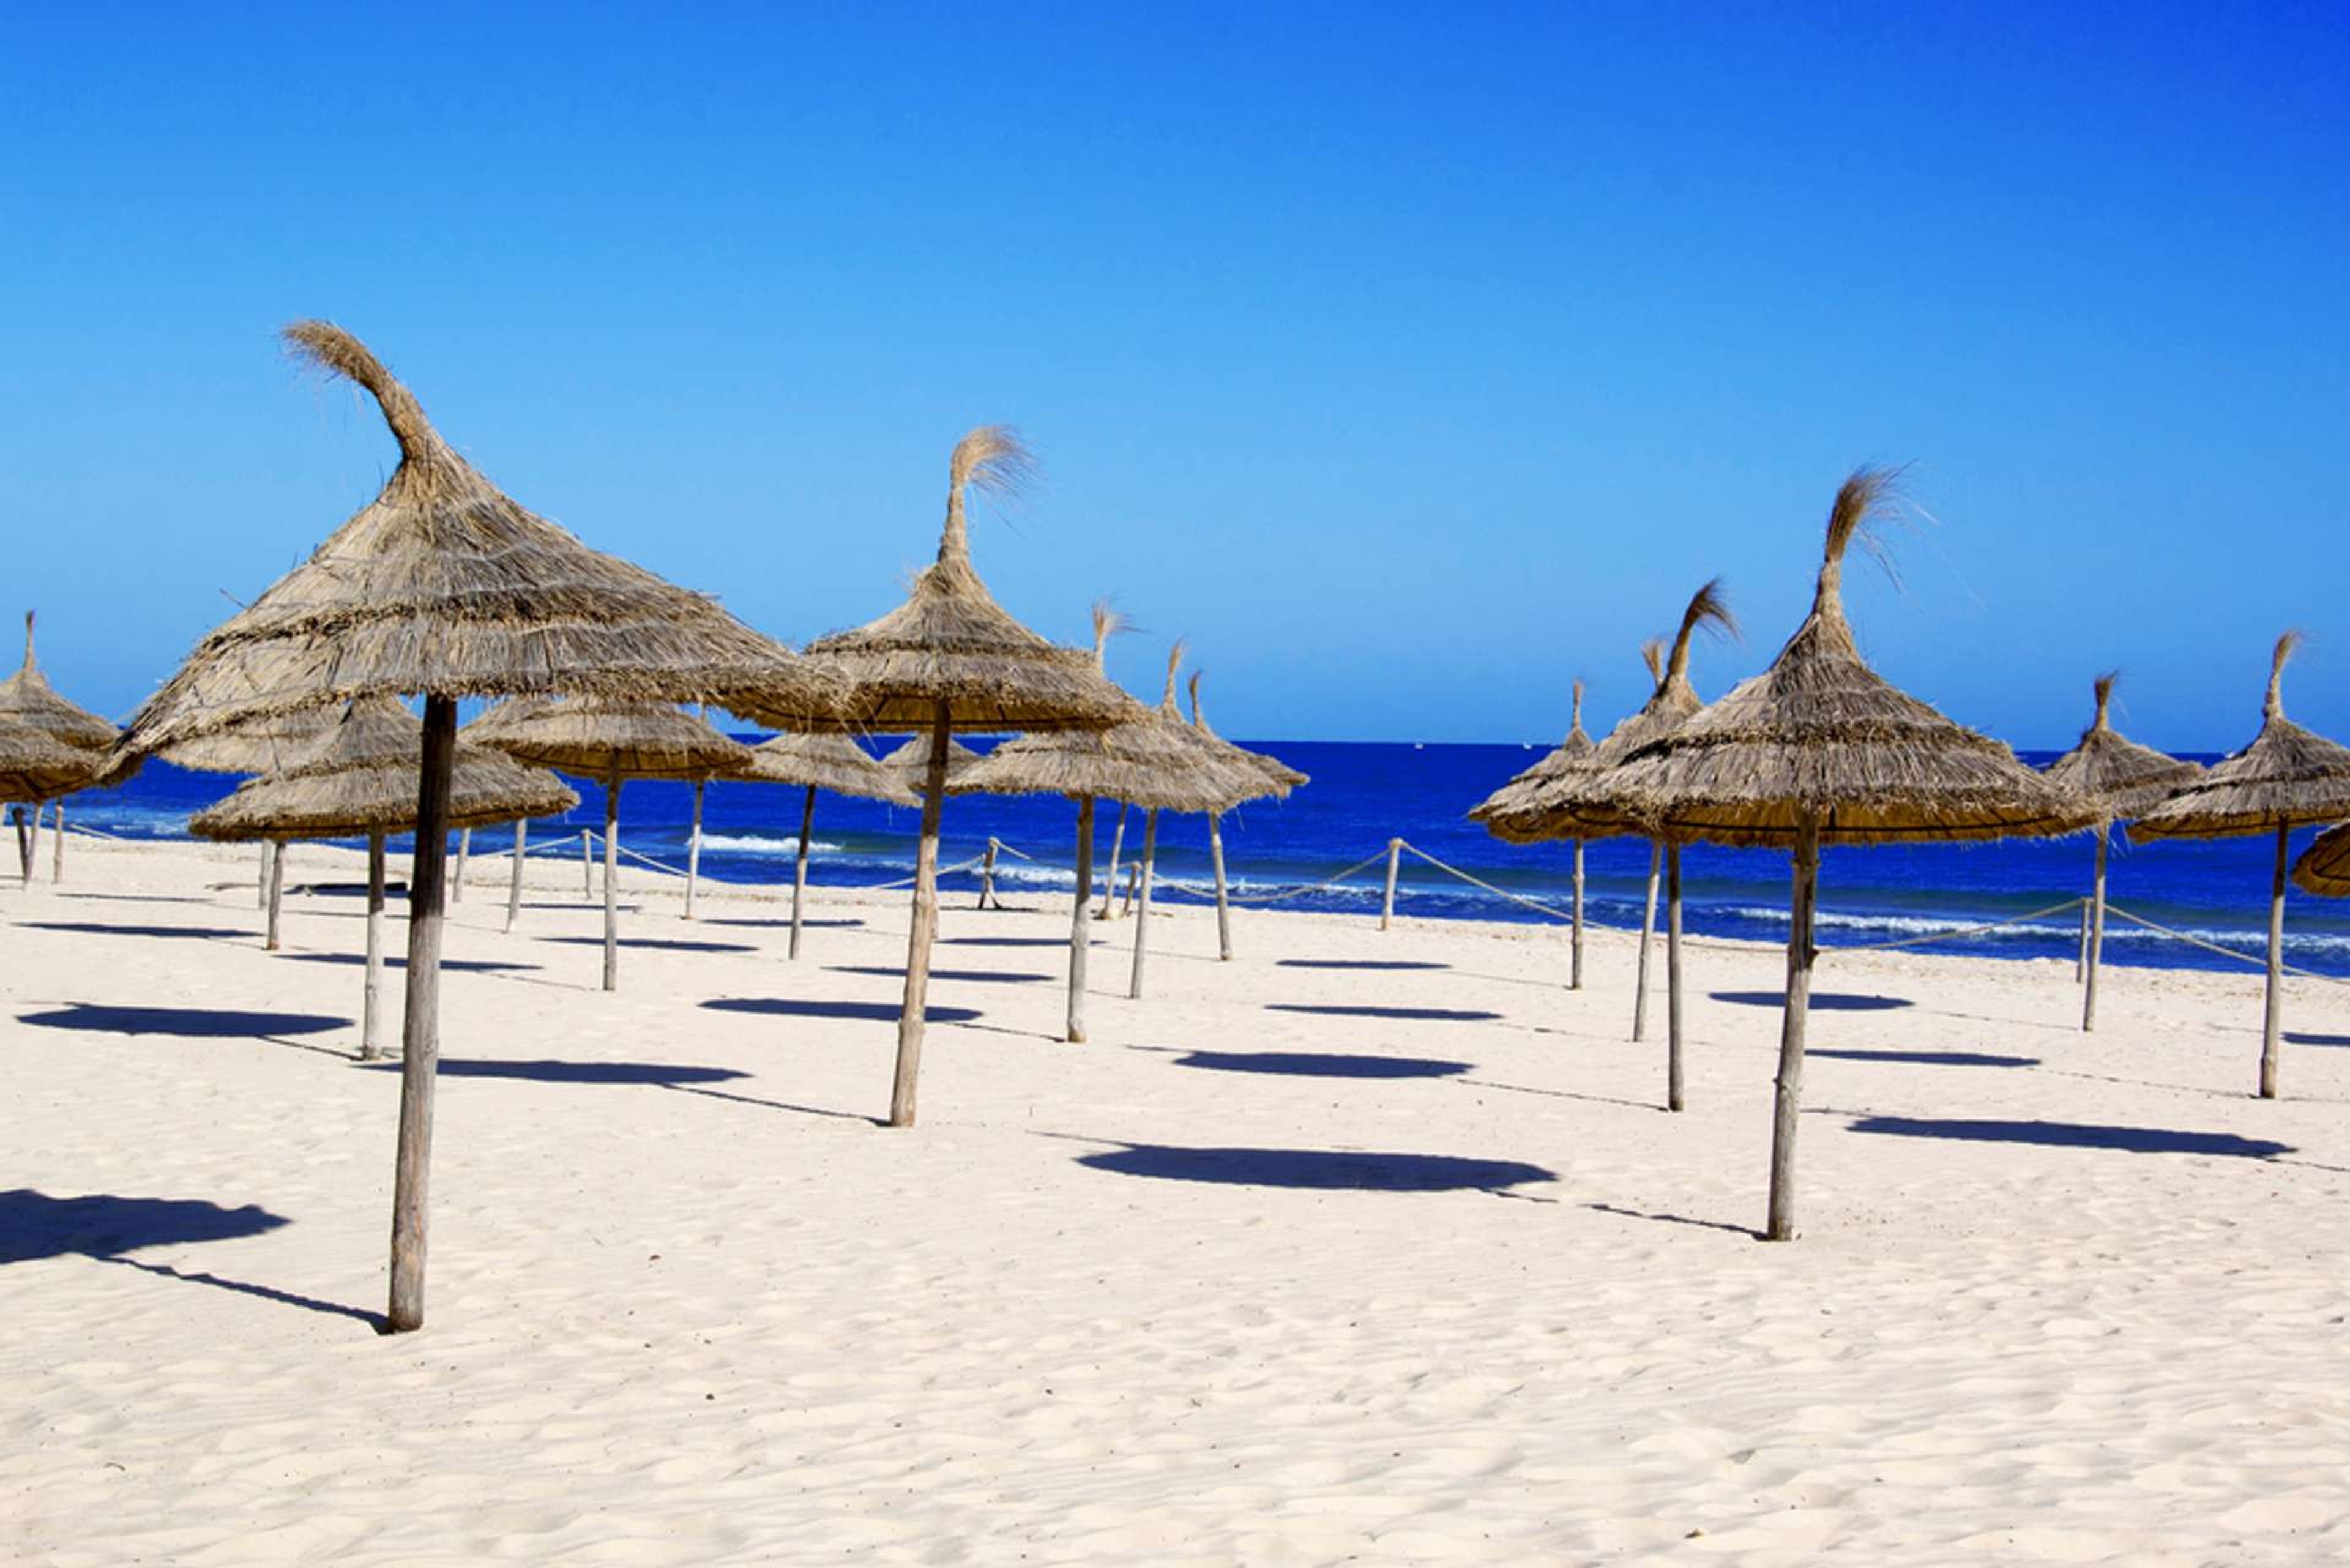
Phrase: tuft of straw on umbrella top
(951,658)
(358,780)
(2284,777)
(1820,749)
(27,698)
(2120,778)
(442,587)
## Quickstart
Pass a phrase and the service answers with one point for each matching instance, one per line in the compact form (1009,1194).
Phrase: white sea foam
(754,844)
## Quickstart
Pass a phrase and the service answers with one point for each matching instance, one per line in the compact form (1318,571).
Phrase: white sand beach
(1367,1247)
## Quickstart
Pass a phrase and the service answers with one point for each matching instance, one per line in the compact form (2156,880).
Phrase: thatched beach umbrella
(358,780)
(2287,777)
(263,745)
(1820,749)
(2121,779)
(442,587)
(1500,814)
(1584,803)
(27,698)
(2324,867)
(951,658)
(35,766)
(909,761)
(609,740)
(1279,778)
(819,761)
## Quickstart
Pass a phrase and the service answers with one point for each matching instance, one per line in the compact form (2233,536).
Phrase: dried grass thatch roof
(951,641)
(265,745)
(1820,732)
(359,778)
(1153,759)
(831,762)
(27,698)
(37,766)
(911,760)
(2324,867)
(443,586)
(2287,777)
(1280,774)
(1504,811)
(593,736)
(2114,773)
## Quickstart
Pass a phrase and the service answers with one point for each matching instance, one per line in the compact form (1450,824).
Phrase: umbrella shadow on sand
(104,1227)
(808,1007)
(1408,1015)
(683,1078)
(1313,1063)
(183,1023)
(1356,1170)
(103,928)
(1930,1058)
(2077,1135)
(1386,965)
(1821,1002)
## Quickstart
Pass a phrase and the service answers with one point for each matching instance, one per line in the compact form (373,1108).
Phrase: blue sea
(1364,793)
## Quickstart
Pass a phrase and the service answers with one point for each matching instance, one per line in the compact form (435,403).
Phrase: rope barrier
(2255,960)
(1951,936)
(1556,914)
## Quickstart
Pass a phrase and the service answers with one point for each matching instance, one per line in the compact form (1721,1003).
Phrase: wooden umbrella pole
(1575,963)
(2096,932)
(372,997)
(1109,882)
(464,851)
(2272,1010)
(924,926)
(587,863)
(1223,900)
(57,842)
(33,848)
(612,879)
(1148,864)
(513,886)
(1673,1095)
(1648,937)
(276,894)
(1080,942)
(419,1029)
(1133,885)
(693,848)
(1788,1091)
(800,865)
(24,846)
(1387,897)
(2081,949)
(261,884)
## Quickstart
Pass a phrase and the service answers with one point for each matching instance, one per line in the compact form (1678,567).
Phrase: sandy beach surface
(1368,1247)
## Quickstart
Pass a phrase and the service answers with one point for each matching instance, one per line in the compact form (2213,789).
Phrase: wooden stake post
(58,844)
(587,863)
(421,1026)
(277,893)
(1386,898)
(1787,1100)
(1148,864)
(1223,902)
(2097,917)
(371,1000)
(1109,882)
(464,851)
(693,848)
(513,887)
(1080,939)
(612,879)
(2273,1007)
(925,925)
(1647,938)
(800,865)
(987,877)
(1673,1096)
(1575,963)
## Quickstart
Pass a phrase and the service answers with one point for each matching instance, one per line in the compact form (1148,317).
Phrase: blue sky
(1410,361)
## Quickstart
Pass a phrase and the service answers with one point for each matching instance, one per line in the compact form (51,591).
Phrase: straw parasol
(358,780)
(267,744)
(2286,778)
(35,767)
(609,740)
(2121,778)
(442,587)
(2324,867)
(818,761)
(27,698)
(951,658)
(1280,779)
(1498,813)
(1820,749)
(1583,803)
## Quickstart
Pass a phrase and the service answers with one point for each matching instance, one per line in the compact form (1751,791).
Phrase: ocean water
(1363,794)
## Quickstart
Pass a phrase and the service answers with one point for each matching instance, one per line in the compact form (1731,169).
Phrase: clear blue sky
(1409,360)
